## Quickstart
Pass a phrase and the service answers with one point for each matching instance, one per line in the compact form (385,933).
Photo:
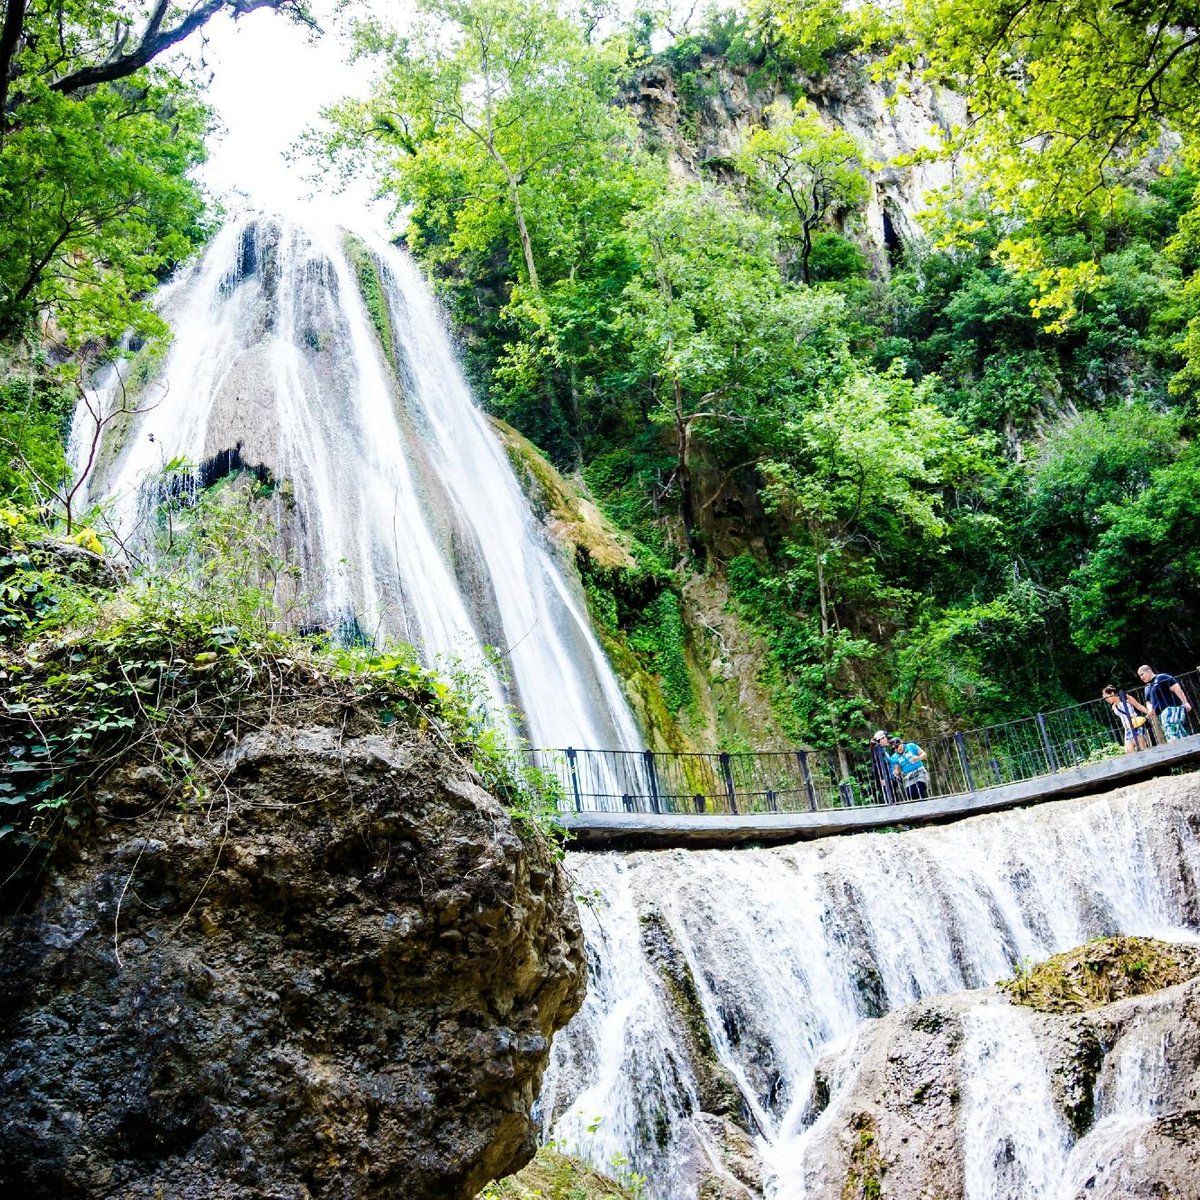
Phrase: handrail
(805,779)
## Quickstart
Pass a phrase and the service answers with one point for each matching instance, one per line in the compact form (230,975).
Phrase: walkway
(641,830)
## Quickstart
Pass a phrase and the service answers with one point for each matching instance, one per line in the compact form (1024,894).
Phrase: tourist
(1162,692)
(908,765)
(1133,723)
(885,787)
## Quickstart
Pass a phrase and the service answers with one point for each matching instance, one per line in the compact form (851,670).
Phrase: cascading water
(788,951)
(400,503)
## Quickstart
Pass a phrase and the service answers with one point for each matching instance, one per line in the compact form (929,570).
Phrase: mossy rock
(1101,972)
(555,1176)
(569,513)
(370,287)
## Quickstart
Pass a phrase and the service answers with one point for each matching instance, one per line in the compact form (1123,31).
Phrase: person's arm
(1187,704)
(916,751)
(1139,704)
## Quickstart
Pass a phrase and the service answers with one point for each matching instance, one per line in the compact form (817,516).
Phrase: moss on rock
(556,1176)
(370,287)
(1101,971)
(633,599)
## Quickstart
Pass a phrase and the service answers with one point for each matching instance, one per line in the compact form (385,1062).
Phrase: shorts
(1174,722)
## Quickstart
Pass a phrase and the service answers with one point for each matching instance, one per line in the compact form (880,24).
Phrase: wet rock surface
(1122,1080)
(338,976)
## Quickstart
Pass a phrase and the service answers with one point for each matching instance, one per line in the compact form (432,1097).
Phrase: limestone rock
(337,977)
(1121,1112)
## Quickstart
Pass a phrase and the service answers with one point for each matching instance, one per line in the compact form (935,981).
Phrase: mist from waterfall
(399,502)
(790,950)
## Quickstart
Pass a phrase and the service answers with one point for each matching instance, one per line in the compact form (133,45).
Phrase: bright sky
(270,79)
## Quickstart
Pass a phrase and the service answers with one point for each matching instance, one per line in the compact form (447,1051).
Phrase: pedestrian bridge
(641,830)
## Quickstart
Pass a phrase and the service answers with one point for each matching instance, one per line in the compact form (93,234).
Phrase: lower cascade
(726,1030)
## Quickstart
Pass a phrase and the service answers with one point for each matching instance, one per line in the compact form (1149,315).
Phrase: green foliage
(1139,591)
(1100,972)
(660,636)
(168,665)
(804,172)
(370,287)
(97,204)
(35,415)
(555,1175)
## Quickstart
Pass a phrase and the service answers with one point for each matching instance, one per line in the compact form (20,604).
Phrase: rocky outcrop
(898,124)
(947,1096)
(336,976)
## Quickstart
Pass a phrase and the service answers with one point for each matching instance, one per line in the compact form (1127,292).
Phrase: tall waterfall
(400,504)
(763,960)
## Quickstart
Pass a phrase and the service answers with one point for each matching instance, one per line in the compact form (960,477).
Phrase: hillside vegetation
(955,481)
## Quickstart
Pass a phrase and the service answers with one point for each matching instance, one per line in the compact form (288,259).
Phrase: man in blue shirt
(1166,698)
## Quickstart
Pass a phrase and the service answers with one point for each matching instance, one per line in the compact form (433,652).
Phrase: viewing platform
(655,831)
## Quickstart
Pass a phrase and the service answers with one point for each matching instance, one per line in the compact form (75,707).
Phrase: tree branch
(154,40)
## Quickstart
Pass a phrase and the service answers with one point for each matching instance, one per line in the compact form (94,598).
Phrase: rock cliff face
(889,124)
(970,1095)
(338,977)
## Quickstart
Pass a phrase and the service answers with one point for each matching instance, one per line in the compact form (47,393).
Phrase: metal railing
(807,780)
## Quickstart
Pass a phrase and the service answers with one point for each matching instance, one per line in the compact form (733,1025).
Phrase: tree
(1139,591)
(712,325)
(1067,96)
(73,46)
(874,453)
(477,104)
(805,171)
(95,147)
(1100,461)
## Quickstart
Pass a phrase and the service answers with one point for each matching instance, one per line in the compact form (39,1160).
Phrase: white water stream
(792,949)
(401,505)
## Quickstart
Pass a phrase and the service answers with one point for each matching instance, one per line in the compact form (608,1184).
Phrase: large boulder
(336,975)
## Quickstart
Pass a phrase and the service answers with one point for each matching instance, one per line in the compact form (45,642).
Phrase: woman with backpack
(1133,722)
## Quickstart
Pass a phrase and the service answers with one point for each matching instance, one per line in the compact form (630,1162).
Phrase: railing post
(1051,761)
(771,801)
(846,793)
(806,775)
(627,802)
(652,779)
(727,773)
(969,779)
(571,767)
(698,801)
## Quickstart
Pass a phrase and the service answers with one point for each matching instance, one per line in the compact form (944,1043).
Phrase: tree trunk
(10,38)
(514,193)
(827,663)
(687,501)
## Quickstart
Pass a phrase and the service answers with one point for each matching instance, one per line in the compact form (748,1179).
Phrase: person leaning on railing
(908,765)
(1133,722)
(1161,690)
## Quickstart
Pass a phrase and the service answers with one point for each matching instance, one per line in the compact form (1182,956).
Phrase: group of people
(1165,699)
(901,766)
(902,773)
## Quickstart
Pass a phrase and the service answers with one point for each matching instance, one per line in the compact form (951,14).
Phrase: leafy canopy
(95,148)
(488,116)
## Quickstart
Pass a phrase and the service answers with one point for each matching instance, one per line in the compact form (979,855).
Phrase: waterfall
(330,367)
(788,951)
